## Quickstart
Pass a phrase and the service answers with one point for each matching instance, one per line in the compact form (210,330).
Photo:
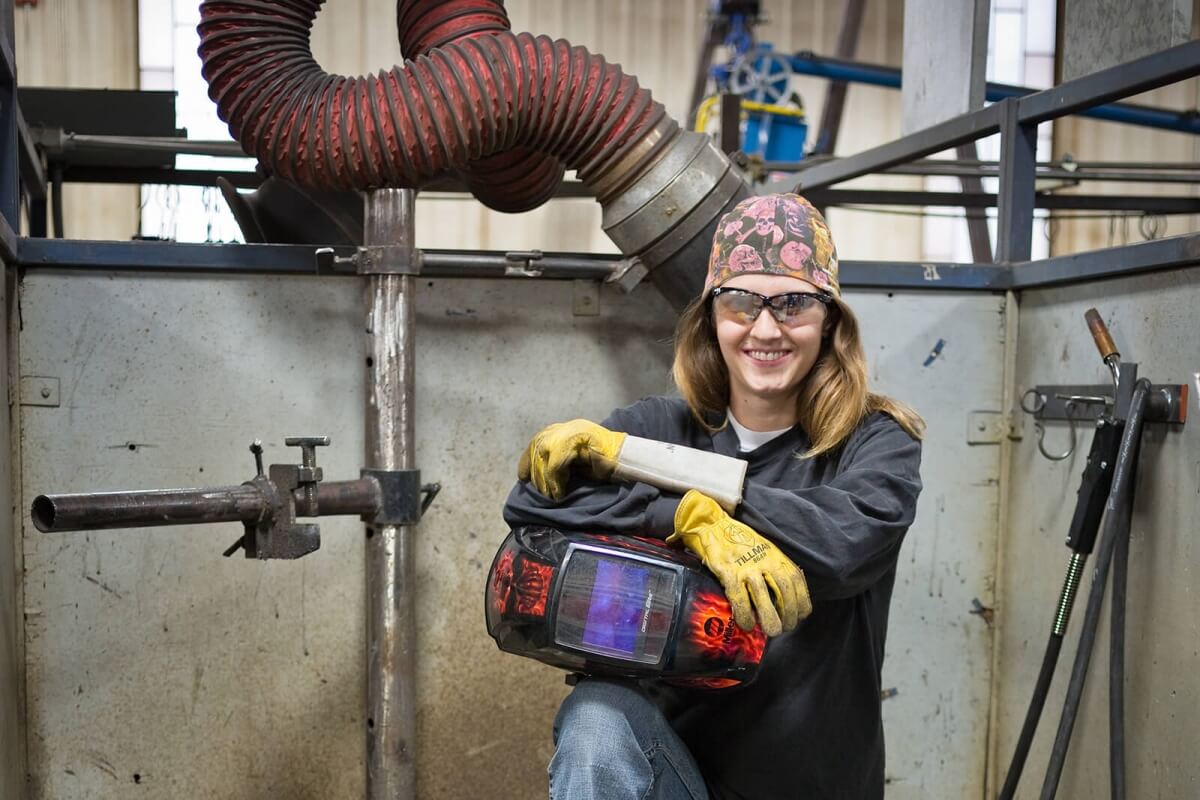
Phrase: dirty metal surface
(12,723)
(156,664)
(1152,320)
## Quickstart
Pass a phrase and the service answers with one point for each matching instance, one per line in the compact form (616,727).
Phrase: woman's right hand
(547,461)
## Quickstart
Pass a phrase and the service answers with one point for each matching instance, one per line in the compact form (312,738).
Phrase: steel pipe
(139,509)
(391,624)
(91,511)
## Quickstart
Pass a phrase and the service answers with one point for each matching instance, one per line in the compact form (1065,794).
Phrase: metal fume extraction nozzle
(666,211)
(268,504)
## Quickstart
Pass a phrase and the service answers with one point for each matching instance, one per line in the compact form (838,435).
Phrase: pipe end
(43,513)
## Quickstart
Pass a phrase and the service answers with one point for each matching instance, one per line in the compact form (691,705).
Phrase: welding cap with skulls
(778,234)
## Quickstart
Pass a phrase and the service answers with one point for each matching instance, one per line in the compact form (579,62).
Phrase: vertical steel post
(977,224)
(1018,162)
(835,92)
(391,624)
(10,199)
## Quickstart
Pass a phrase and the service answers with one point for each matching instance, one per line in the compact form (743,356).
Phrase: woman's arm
(845,534)
(623,508)
(633,509)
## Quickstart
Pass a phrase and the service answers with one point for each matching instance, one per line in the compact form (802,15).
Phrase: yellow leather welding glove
(552,452)
(749,567)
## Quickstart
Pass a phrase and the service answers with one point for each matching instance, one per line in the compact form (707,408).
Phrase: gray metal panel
(939,652)
(150,654)
(945,60)
(12,629)
(1103,33)
(1152,319)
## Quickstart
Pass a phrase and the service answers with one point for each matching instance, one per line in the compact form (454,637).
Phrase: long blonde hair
(833,399)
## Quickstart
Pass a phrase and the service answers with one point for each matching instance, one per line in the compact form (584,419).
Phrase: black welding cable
(1029,728)
(1116,658)
(1115,511)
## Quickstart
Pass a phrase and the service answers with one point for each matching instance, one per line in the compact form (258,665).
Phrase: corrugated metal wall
(84,44)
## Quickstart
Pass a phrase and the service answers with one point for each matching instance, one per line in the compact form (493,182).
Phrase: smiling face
(768,362)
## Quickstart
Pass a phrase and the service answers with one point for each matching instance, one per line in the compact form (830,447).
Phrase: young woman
(817,487)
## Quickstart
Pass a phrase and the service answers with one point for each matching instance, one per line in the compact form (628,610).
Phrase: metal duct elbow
(507,111)
(668,214)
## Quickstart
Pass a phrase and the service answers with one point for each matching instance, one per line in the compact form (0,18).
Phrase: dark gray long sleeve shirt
(809,726)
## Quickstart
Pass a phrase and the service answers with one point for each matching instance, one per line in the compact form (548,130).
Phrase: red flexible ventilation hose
(518,180)
(471,96)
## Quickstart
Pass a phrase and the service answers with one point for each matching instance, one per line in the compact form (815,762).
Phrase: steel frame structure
(1014,118)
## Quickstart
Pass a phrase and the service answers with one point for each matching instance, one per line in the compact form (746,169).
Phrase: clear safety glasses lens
(791,309)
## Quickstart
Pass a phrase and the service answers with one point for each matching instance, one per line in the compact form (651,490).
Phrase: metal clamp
(328,261)
(276,533)
(520,264)
(389,259)
(308,474)
(403,499)
(628,273)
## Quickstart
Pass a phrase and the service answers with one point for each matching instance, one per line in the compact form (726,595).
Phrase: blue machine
(773,125)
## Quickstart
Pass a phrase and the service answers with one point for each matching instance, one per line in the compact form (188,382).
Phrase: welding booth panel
(1152,320)
(155,661)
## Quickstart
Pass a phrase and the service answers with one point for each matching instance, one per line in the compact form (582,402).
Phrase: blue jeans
(612,743)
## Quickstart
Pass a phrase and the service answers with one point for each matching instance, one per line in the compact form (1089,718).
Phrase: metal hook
(1039,401)
(1041,434)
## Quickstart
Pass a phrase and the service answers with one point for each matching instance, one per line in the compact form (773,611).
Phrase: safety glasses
(790,309)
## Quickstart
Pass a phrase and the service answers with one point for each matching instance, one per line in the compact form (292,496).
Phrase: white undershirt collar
(751,440)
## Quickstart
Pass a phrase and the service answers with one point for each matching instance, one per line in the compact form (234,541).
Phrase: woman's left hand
(751,569)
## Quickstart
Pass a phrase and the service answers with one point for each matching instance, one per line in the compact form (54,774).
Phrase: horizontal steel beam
(1113,262)
(1133,77)
(290,259)
(926,276)
(172,258)
(1155,204)
(944,135)
(1143,74)
(92,173)
(122,174)
(835,69)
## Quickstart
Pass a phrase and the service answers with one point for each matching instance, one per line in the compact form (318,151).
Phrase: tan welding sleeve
(676,468)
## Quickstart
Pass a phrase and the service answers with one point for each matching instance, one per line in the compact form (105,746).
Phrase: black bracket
(403,498)
(1086,403)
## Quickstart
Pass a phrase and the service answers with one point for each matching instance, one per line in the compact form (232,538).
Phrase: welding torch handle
(1103,339)
(140,509)
(1094,486)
